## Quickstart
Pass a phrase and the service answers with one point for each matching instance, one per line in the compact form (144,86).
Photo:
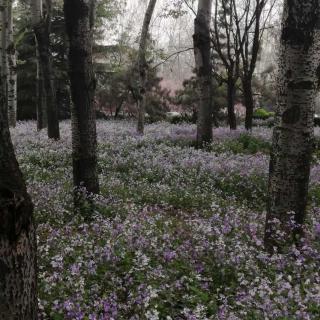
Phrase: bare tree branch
(170,56)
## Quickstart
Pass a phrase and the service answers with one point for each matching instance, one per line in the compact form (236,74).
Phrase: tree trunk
(118,109)
(232,120)
(202,53)
(142,66)
(18,298)
(141,109)
(12,70)
(79,23)
(42,29)
(48,83)
(42,121)
(248,101)
(250,34)
(293,134)
(36,8)
(4,64)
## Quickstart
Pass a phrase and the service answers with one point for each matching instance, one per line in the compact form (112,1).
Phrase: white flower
(152,315)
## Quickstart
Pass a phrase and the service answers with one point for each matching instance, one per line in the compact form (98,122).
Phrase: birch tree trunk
(142,65)
(18,298)
(42,29)
(202,53)
(79,23)
(12,70)
(293,134)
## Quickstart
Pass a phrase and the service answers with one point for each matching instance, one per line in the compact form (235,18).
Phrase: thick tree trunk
(293,134)
(202,53)
(232,120)
(79,23)
(142,66)
(18,300)
(12,70)
(42,29)
(248,101)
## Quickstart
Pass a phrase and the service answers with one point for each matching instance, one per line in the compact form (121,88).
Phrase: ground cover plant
(177,233)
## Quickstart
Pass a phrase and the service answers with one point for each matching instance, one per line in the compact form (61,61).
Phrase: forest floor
(177,232)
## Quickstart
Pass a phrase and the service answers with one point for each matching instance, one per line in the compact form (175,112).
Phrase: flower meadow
(176,233)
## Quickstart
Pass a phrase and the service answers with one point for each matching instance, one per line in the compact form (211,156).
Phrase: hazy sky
(170,34)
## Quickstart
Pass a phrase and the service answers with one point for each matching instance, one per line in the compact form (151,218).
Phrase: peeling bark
(293,134)
(79,23)
(142,66)
(202,53)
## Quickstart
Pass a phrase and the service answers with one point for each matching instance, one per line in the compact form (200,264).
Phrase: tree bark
(42,29)
(293,133)
(79,23)
(232,120)
(249,34)
(36,8)
(12,70)
(142,66)
(18,300)
(118,109)
(227,45)
(42,121)
(4,64)
(202,53)
(248,101)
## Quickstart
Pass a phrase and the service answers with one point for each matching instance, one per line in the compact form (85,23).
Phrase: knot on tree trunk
(291,115)
(15,214)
